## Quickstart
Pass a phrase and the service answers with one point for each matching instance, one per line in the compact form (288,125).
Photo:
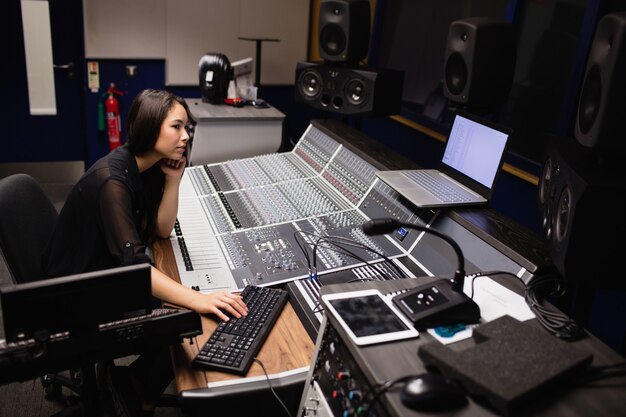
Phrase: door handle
(69,67)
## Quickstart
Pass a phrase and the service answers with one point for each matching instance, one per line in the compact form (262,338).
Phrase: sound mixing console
(243,222)
(249,221)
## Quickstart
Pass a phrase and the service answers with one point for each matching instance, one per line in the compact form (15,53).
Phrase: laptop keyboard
(437,186)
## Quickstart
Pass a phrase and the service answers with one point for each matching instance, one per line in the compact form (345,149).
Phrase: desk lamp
(437,303)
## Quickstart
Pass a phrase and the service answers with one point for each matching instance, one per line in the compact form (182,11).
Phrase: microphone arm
(388,225)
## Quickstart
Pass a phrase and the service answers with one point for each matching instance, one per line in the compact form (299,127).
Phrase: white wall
(181,31)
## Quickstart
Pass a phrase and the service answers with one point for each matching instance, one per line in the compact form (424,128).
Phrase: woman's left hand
(172,167)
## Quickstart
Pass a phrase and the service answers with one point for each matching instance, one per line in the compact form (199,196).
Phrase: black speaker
(581,215)
(599,121)
(214,74)
(479,62)
(349,91)
(344,30)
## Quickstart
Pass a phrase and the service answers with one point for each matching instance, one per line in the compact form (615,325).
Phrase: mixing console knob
(348,413)
(343,375)
(354,395)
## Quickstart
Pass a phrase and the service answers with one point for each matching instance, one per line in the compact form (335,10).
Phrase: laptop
(469,169)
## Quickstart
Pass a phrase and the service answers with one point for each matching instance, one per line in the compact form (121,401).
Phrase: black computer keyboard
(234,344)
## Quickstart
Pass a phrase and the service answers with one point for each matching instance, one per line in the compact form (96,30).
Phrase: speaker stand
(257,58)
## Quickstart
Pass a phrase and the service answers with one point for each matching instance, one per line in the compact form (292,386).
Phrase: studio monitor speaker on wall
(344,30)
(581,216)
(349,91)
(479,61)
(600,117)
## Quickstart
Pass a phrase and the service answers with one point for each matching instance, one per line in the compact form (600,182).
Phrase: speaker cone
(545,189)
(310,84)
(546,181)
(456,73)
(355,91)
(332,40)
(563,214)
(590,99)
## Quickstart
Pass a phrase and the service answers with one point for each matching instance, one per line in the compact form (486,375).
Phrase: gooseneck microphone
(436,303)
(388,225)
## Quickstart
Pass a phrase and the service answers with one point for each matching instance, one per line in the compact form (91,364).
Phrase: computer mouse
(431,391)
(260,104)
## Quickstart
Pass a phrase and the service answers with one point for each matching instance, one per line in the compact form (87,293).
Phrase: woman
(125,201)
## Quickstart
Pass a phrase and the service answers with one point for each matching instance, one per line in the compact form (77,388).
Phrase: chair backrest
(27,219)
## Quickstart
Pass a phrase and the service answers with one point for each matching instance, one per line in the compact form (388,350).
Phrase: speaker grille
(344,30)
(599,120)
(590,100)
(479,62)
(546,181)
(310,84)
(456,73)
(363,91)
(546,190)
(356,92)
(563,215)
(333,40)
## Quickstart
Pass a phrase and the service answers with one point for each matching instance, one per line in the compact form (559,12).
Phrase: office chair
(27,219)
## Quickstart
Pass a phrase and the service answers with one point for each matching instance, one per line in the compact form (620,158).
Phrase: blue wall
(149,74)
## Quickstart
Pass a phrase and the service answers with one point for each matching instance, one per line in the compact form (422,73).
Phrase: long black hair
(143,126)
(146,114)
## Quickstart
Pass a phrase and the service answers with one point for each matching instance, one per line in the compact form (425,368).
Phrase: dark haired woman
(126,200)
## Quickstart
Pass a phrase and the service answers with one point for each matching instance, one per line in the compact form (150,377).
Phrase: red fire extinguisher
(114,125)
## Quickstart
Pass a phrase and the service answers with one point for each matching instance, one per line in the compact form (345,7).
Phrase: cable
(351,242)
(269,382)
(557,323)
(304,251)
(381,388)
(488,273)
(535,292)
(316,244)
(339,248)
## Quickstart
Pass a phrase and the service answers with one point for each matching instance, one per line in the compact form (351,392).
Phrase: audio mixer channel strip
(242,222)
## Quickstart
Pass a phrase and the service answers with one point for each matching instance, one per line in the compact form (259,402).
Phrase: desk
(288,347)
(225,132)
(388,361)
(327,184)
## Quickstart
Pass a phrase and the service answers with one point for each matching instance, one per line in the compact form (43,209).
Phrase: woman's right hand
(219,302)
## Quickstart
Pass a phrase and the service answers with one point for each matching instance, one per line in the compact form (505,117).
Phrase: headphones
(215,72)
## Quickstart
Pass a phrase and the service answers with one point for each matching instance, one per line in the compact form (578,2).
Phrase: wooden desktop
(288,345)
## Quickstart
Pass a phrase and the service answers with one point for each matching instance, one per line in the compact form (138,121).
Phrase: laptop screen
(475,149)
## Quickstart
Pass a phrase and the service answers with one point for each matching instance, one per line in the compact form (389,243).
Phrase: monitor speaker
(599,120)
(580,215)
(349,91)
(344,30)
(479,62)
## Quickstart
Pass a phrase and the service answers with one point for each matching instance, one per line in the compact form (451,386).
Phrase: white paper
(494,301)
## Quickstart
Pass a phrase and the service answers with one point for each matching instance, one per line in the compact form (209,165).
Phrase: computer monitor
(75,303)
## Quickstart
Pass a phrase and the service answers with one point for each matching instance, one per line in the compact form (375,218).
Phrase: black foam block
(509,363)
